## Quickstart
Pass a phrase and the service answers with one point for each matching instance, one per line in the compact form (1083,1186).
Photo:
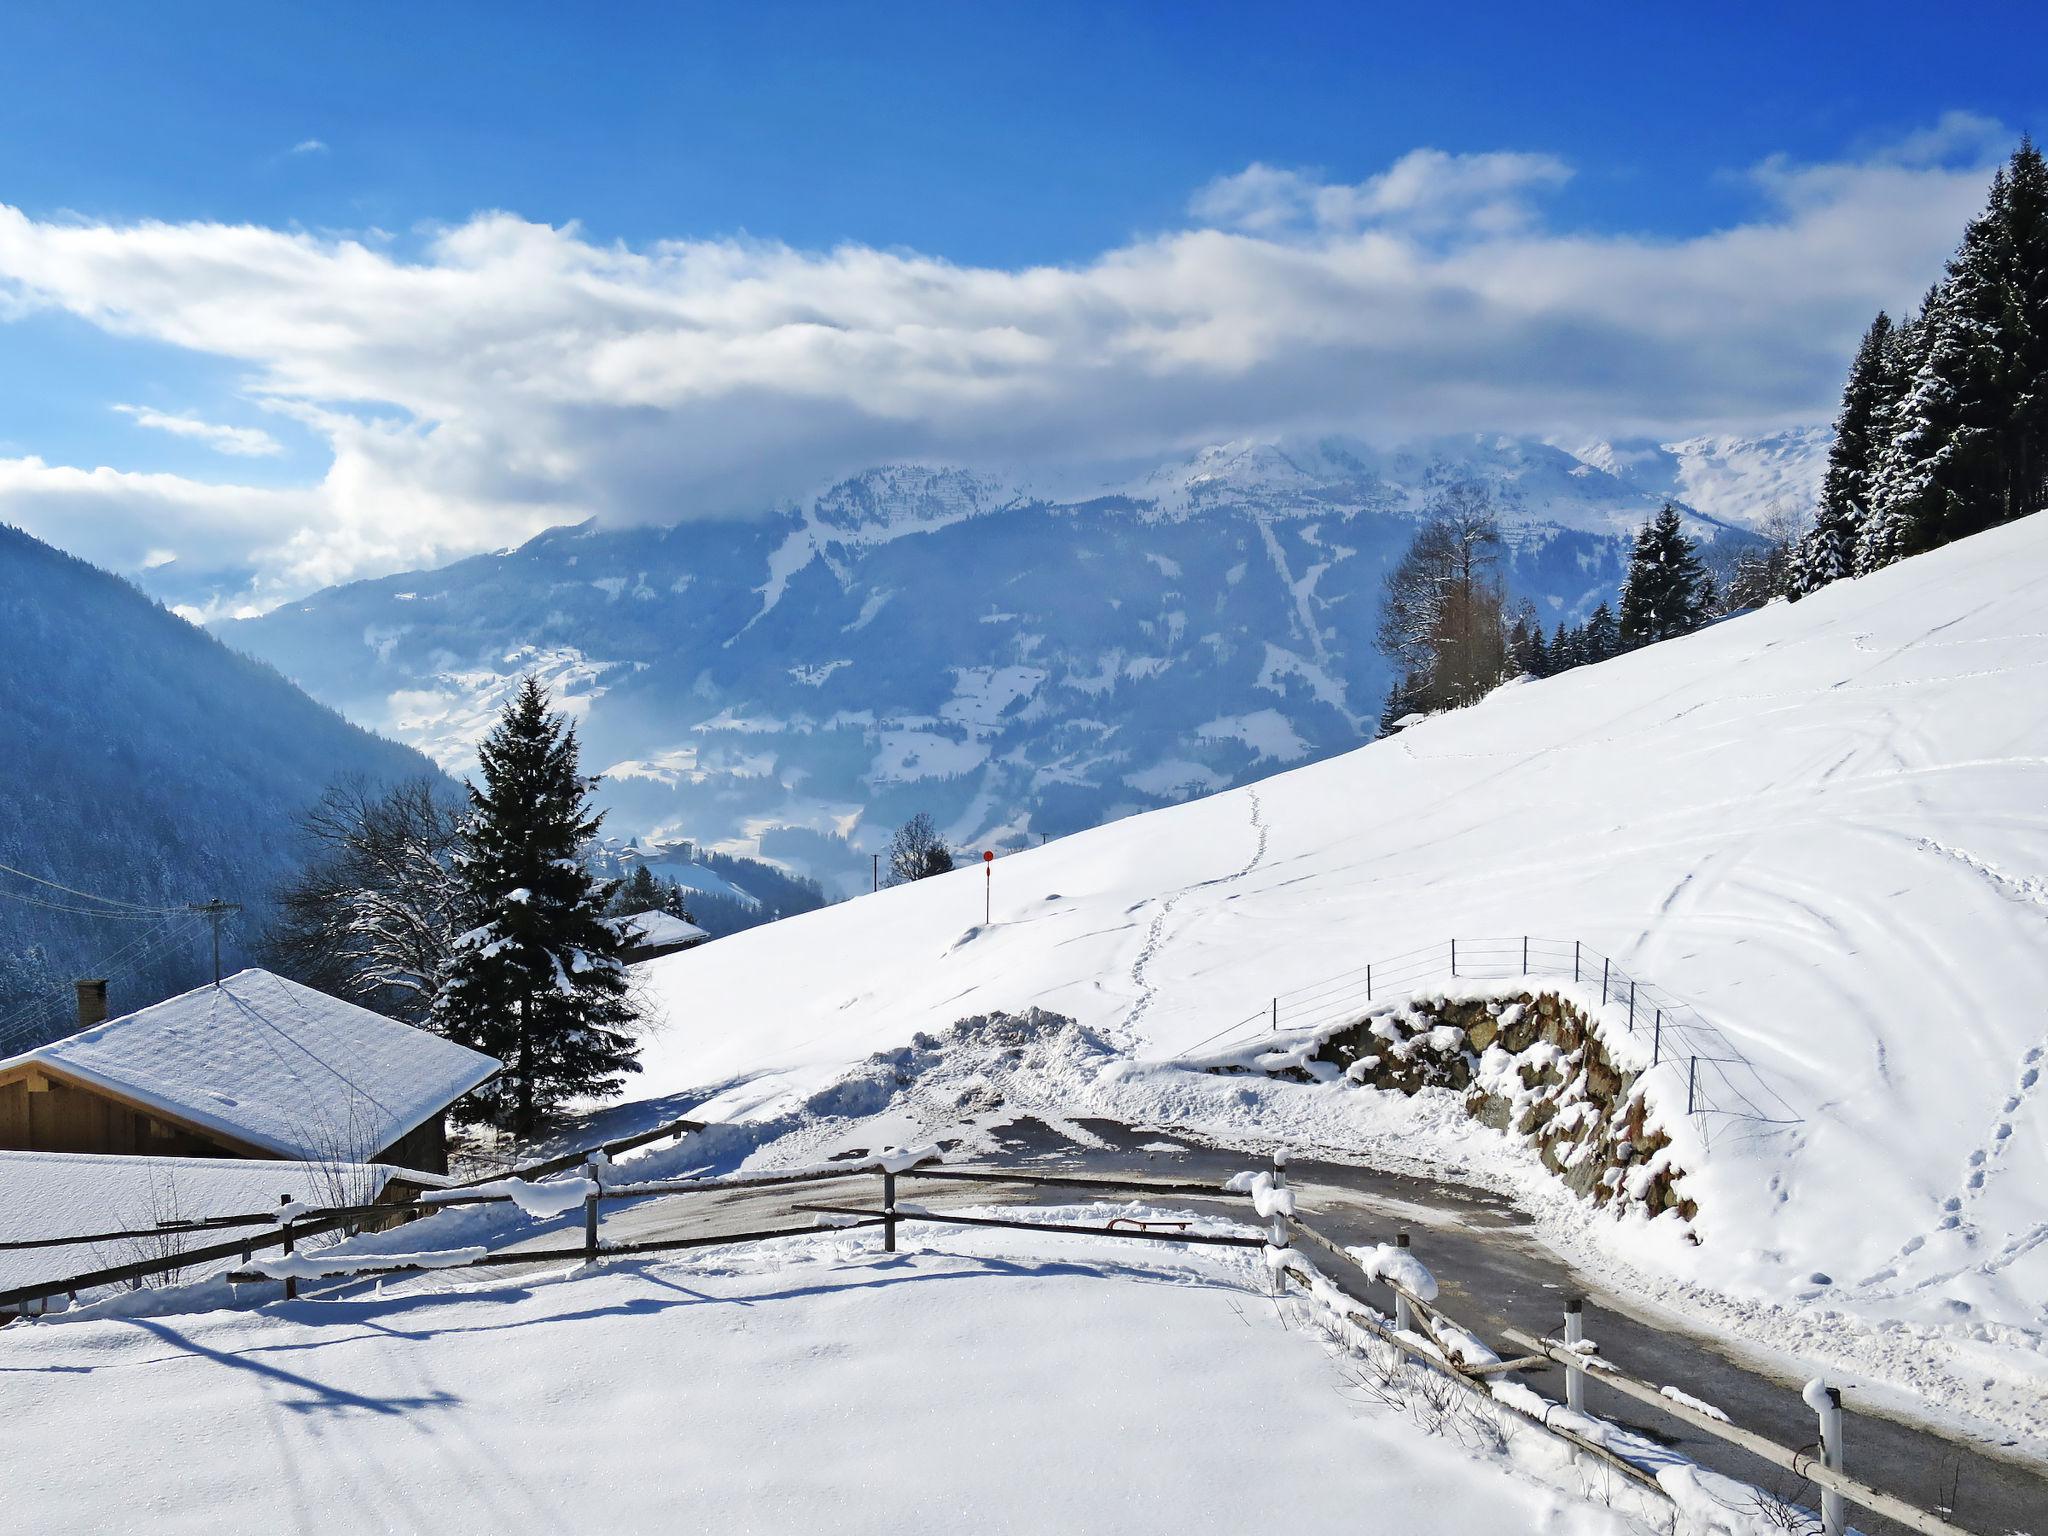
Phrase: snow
(657,930)
(273,1065)
(1000,1382)
(542,1201)
(69,1194)
(301,1266)
(1396,1266)
(1819,823)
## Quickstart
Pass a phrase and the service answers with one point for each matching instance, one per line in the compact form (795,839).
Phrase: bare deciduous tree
(1444,623)
(372,913)
(917,851)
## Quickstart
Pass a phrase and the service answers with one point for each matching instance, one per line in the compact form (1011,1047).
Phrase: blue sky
(990,139)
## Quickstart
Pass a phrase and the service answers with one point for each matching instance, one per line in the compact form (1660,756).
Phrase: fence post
(1575,959)
(590,1212)
(888,1211)
(1631,1007)
(1525,954)
(1276,1231)
(1368,981)
(1833,1522)
(1603,981)
(1657,1039)
(1454,957)
(291,1284)
(1692,1083)
(1404,1314)
(1276,1015)
(1574,1335)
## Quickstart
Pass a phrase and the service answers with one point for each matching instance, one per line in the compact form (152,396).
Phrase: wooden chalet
(255,1067)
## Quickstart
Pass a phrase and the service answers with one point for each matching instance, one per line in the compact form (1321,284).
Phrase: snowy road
(1493,1275)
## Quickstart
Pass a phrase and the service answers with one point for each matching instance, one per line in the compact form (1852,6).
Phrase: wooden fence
(1417,1328)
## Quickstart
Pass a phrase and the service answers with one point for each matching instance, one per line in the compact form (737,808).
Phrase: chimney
(92,1002)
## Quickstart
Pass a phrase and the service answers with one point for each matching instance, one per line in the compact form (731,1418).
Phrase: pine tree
(1601,637)
(538,980)
(675,901)
(1667,591)
(2025,212)
(1861,428)
(1565,649)
(638,892)
(1897,482)
(1537,660)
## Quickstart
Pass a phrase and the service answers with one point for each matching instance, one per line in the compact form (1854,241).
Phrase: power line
(70,890)
(78,911)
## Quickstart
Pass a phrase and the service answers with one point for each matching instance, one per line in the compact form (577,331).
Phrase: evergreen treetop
(1667,591)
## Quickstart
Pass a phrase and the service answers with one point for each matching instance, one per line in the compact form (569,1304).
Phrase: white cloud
(242,442)
(309,147)
(499,375)
(1425,188)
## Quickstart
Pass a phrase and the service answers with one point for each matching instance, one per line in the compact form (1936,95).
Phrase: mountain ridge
(928,637)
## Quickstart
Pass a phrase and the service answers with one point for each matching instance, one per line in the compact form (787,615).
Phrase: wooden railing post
(1574,1335)
(888,1211)
(590,1212)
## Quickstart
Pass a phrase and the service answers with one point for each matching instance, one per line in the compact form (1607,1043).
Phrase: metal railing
(1695,1057)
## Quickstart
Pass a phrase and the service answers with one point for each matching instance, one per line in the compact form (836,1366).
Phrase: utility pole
(216,910)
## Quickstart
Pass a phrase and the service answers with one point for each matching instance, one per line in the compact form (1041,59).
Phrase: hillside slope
(1825,825)
(146,762)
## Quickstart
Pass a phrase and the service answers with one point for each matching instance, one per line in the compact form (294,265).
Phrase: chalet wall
(62,1117)
(424,1148)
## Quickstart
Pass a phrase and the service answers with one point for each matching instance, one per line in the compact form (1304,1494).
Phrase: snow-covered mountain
(144,763)
(1018,655)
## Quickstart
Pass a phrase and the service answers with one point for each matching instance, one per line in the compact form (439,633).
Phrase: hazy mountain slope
(1824,824)
(924,639)
(147,762)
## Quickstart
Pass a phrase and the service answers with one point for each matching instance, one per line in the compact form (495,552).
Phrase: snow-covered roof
(273,1064)
(658,930)
(69,1194)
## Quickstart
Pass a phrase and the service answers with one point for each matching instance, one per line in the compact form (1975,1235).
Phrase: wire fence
(1694,1056)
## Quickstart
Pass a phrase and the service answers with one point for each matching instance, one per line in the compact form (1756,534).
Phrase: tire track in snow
(1155,936)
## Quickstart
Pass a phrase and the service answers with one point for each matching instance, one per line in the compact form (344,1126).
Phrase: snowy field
(1825,825)
(988,1382)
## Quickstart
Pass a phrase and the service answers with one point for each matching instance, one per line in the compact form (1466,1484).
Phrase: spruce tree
(1564,649)
(1861,428)
(638,892)
(1601,637)
(1667,591)
(2025,212)
(537,981)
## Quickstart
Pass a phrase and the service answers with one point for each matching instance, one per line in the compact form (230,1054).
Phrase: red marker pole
(988,885)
